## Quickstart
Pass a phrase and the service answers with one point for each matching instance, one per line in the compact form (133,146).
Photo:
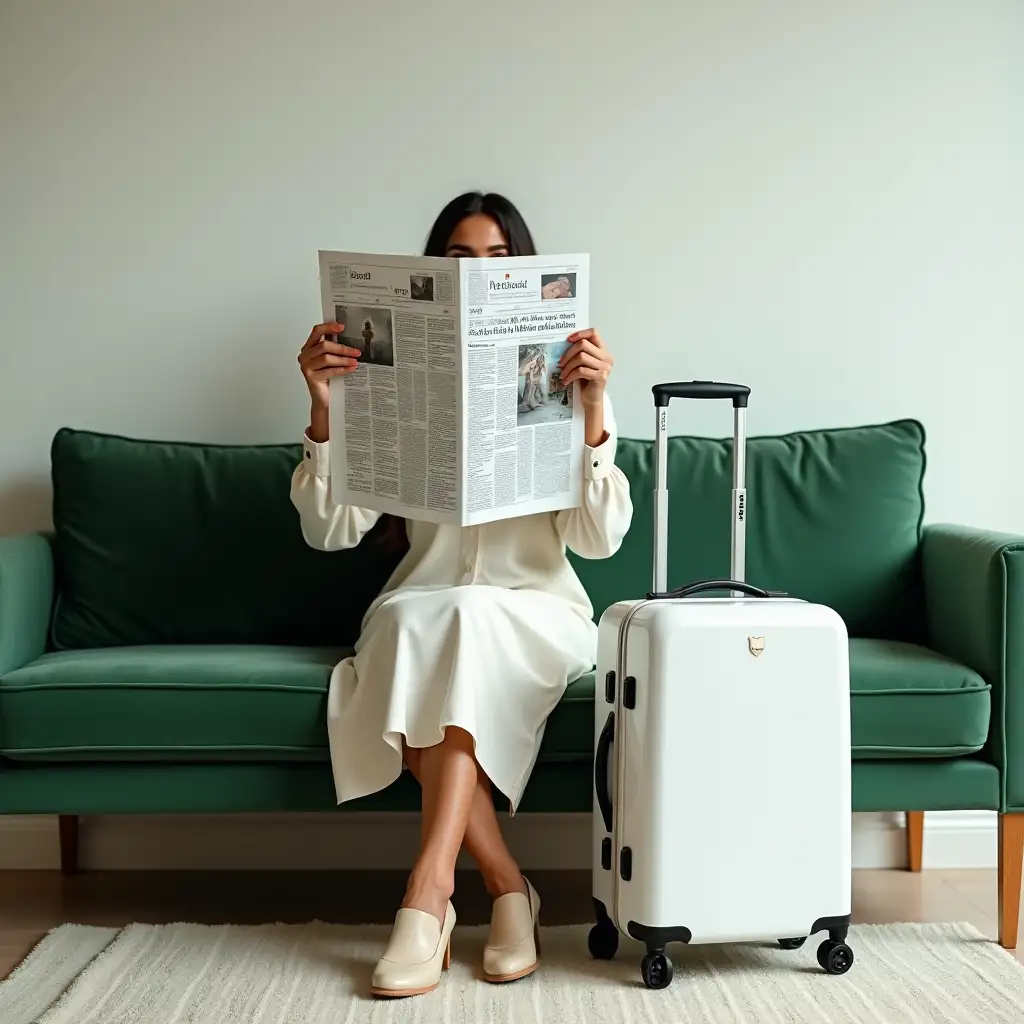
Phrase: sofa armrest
(26,597)
(974,598)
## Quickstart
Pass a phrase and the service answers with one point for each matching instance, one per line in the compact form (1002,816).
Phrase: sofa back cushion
(833,516)
(159,542)
(167,542)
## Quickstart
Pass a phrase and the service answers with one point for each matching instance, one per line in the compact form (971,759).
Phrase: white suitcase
(722,803)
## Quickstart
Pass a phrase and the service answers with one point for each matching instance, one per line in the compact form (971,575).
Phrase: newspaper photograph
(457,413)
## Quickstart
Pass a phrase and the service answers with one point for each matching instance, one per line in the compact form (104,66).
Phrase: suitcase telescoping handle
(663,394)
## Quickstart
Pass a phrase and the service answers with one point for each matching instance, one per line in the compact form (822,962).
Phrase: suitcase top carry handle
(704,585)
(664,393)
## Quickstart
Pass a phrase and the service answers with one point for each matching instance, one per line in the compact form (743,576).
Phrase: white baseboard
(953,839)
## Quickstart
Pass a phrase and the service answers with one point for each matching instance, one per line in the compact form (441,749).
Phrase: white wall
(829,193)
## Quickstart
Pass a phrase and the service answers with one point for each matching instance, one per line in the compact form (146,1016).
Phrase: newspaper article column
(524,426)
(394,422)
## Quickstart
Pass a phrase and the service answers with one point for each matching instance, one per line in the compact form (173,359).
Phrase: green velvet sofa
(167,646)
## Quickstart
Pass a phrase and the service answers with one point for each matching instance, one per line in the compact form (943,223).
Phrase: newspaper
(457,413)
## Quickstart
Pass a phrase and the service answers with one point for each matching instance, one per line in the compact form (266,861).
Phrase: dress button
(468,567)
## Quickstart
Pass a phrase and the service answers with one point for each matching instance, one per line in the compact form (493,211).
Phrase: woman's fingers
(569,354)
(322,358)
(321,330)
(587,359)
(586,373)
(330,359)
(320,352)
(585,355)
(583,359)
(594,348)
(334,348)
(585,362)
(583,352)
(328,354)
(331,371)
(588,335)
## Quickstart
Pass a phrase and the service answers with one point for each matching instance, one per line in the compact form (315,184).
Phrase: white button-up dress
(481,627)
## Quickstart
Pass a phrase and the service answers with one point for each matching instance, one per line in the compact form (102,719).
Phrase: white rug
(300,974)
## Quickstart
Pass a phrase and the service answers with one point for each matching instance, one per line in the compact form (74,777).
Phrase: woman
(467,649)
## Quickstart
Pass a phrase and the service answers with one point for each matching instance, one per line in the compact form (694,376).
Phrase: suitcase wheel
(656,970)
(603,940)
(835,957)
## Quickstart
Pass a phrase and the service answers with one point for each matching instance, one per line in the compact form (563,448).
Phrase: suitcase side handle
(604,793)
(703,585)
(664,393)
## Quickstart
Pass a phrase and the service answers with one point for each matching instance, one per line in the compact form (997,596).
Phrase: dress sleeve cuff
(316,456)
(599,461)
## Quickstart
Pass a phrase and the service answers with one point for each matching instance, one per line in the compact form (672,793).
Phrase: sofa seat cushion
(199,703)
(909,701)
(203,703)
(190,703)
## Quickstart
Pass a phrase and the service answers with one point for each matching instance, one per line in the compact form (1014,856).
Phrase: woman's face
(477,236)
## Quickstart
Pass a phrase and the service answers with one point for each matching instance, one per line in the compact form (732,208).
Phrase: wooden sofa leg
(1011,854)
(915,840)
(68,824)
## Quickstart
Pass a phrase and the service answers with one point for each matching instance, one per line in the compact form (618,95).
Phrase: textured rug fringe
(49,969)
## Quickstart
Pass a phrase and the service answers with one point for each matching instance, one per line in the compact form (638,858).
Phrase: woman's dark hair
(503,212)
(497,207)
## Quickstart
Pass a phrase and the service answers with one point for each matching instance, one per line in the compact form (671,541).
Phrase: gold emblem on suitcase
(756,645)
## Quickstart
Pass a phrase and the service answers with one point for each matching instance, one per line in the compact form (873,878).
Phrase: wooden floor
(32,902)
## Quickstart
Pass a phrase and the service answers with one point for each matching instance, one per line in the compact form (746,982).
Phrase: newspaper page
(457,413)
(524,429)
(395,422)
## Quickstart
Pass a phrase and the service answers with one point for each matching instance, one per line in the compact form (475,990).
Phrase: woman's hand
(322,358)
(588,361)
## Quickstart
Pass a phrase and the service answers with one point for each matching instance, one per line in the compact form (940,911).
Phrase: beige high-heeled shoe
(513,945)
(417,952)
